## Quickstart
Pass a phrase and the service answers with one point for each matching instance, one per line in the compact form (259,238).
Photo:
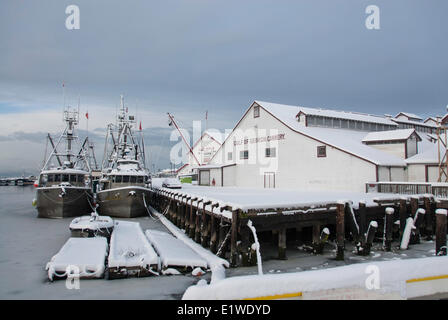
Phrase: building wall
(411,146)
(416,173)
(296,164)
(386,173)
(433,173)
(229,174)
(396,149)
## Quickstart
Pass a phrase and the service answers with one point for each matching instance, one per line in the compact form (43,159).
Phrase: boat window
(125,179)
(65,177)
(140,179)
(50,178)
(118,179)
(133,179)
(80,178)
(73,178)
(57,178)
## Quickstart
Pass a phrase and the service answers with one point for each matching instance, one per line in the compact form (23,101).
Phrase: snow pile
(86,255)
(392,278)
(197,272)
(174,252)
(129,247)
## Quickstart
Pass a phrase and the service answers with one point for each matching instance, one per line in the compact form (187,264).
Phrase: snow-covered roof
(346,140)
(343,115)
(390,135)
(64,170)
(417,123)
(409,115)
(430,119)
(427,156)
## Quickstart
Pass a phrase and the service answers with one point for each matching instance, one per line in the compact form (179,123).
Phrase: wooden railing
(439,190)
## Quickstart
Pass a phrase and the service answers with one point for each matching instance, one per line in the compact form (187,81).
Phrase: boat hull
(127,202)
(51,203)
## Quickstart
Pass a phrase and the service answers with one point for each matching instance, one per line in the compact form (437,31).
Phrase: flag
(87,115)
(206,115)
(140,125)
(63,84)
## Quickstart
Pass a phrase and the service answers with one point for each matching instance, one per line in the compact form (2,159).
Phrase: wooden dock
(224,229)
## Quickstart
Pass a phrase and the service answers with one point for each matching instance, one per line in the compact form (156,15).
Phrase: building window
(229,155)
(244,154)
(270,152)
(256,111)
(321,151)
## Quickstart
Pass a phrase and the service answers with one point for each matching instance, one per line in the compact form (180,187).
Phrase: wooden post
(192,226)
(183,212)
(198,223)
(340,231)
(441,232)
(187,215)
(234,238)
(418,220)
(318,248)
(414,206)
(282,244)
(373,226)
(362,212)
(222,238)
(245,244)
(316,233)
(429,216)
(214,228)
(205,226)
(388,228)
(354,227)
(403,217)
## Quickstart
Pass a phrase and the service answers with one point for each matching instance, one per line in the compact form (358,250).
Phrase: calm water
(27,243)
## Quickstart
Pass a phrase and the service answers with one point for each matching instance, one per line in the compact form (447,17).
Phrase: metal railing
(439,190)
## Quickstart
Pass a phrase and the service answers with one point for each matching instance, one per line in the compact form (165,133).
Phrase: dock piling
(388,228)
(441,249)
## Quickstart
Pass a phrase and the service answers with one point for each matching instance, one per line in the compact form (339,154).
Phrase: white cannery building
(283,146)
(201,152)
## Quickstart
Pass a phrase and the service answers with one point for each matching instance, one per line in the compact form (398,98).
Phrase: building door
(204,177)
(269,180)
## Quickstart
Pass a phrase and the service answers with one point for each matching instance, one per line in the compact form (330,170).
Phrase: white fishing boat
(64,185)
(123,191)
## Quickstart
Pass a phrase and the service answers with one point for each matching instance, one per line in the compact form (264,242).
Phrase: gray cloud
(187,57)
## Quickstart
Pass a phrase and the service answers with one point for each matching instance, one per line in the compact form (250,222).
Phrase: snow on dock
(130,254)
(253,199)
(84,255)
(174,252)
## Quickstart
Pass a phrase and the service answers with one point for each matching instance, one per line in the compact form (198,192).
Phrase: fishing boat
(64,190)
(123,191)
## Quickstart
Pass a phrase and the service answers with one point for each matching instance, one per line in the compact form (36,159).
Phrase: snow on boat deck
(87,254)
(129,247)
(174,252)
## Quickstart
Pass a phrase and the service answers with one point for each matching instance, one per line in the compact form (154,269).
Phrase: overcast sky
(186,57)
